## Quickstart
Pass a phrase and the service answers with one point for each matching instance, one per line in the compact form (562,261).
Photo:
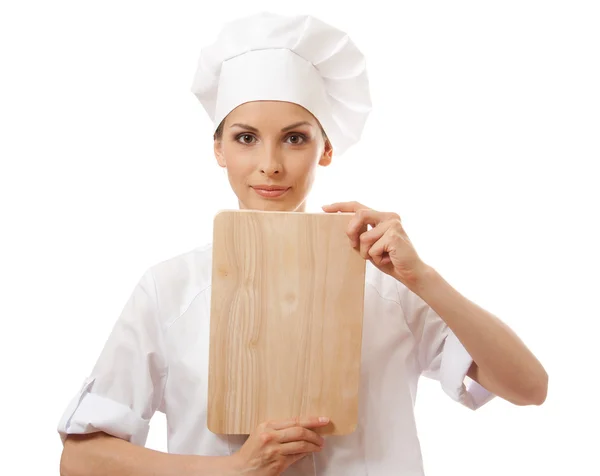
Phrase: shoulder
(386,286)
(178,280)
(193,265)
(382,286)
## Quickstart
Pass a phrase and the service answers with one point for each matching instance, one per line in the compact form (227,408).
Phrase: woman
(284,94)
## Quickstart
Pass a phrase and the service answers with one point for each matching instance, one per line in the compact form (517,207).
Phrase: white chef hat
(297,59)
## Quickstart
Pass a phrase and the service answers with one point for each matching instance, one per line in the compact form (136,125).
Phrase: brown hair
(219,132)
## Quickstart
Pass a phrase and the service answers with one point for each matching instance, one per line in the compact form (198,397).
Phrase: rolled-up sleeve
(127,383)
(440,354)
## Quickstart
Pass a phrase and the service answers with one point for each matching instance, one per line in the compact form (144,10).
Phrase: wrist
(422,279)
(222,465)
(233,465)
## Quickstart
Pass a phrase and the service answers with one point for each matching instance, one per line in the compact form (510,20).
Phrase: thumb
(295,458)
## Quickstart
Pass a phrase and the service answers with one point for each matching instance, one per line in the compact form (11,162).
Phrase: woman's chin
(271,205)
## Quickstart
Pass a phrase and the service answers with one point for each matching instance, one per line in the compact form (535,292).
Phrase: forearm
(100,454)
(505,366)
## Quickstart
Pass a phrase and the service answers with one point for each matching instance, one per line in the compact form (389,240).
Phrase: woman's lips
(270,192)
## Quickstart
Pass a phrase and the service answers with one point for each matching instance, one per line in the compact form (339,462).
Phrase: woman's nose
(270,164)
(270,170)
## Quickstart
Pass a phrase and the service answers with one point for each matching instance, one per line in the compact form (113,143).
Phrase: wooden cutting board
(287,305)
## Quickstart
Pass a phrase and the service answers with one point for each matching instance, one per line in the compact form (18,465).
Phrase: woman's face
(271,150)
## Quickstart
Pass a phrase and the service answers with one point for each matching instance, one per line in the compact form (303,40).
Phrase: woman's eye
(296,139)
(245,139)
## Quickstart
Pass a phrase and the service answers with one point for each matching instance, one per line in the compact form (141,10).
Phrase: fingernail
(323,419)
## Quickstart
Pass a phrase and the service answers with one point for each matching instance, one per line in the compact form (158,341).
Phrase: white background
(484,138)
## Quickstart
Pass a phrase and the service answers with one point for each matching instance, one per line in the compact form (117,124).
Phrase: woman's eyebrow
(297,124)
(245,126)
(285,129)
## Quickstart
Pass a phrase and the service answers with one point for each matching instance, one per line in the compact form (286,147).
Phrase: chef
(287,95)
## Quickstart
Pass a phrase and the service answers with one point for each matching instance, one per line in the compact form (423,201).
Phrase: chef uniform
(156,357)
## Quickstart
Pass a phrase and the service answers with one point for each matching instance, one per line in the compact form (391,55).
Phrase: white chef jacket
(156,358)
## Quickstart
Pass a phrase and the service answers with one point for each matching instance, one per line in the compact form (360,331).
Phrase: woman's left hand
(386,244)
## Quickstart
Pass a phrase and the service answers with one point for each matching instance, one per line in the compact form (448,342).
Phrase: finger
(292,459)
(381,249)
(369,238)
(298,433)
(306,422)
(346,207)
(360,222)
(385,259)
(298,447)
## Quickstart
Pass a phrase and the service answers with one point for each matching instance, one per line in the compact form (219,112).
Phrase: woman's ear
(218,148)
(327,154)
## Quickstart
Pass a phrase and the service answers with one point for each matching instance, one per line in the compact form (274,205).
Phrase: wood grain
(287,305)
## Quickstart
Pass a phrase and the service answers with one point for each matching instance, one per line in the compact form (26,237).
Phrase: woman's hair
(219,132)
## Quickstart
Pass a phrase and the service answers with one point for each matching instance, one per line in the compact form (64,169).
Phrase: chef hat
(297,59)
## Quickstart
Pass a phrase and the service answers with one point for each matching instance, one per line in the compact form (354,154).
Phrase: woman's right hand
(274,446)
